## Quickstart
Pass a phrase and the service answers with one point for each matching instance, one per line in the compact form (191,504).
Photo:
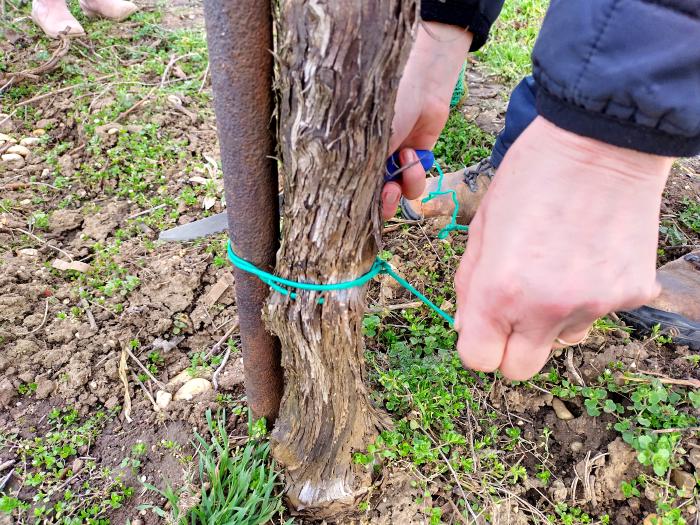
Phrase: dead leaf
(208,202)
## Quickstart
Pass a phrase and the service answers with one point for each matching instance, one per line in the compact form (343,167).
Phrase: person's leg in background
(521,111)
(53,16)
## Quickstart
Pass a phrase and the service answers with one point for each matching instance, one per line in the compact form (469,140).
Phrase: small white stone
(560,410)
(192,388)
(29,252)
(163,399)
(576,447)
(29,141)
(13,161)
(19,150)
(112,131)
(174,100)
(7,138)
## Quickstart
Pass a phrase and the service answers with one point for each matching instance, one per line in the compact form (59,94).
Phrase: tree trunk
(339,68)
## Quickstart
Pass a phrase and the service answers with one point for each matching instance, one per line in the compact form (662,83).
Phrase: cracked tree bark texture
(339,67)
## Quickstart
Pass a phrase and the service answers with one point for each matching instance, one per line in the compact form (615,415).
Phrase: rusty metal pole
(239,36)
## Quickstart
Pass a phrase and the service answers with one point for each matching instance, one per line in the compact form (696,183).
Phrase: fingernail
(408,156)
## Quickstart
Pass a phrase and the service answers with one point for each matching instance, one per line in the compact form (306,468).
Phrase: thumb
(482,339)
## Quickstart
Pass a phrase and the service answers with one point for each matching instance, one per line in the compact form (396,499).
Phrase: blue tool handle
(427,159)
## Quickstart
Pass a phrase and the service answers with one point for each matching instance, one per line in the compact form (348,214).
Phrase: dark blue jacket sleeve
(626,72)
(475,15)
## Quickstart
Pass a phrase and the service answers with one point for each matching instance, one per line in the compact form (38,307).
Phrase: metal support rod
(239,36)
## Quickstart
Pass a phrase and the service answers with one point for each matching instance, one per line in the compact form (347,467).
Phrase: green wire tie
(380,266)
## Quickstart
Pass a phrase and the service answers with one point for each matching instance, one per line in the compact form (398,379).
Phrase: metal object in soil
(239,36)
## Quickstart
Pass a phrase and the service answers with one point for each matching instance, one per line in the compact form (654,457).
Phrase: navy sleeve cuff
(475,15)
(614,131)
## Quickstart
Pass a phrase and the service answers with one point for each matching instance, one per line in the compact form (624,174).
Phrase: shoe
(55,23)
(470,186)
(677,309)
(116,10)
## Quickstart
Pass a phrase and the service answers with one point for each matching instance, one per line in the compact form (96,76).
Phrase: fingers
(413,178)
(526,353)
(391,194)
(411,183)
(482,339)
(481,342)
(573,336)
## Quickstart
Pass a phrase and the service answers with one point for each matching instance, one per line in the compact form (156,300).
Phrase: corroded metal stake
(239,36)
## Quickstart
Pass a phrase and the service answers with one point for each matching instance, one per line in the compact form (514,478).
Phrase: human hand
(566,233)
(423,104)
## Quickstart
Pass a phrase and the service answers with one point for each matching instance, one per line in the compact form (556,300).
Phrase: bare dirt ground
(84,284)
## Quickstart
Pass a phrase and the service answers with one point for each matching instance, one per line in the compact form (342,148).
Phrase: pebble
(694,458)
(561,411)
(683,480)
(174,100)
(39,132)
(576,447)
(29,252)
(7,138)
(77,465)
(558,491)
(192,388)
(19,150)
(13,161)
(29,141)
(163,399)
(137,521)
(652,519)
(184,376)
(652,492)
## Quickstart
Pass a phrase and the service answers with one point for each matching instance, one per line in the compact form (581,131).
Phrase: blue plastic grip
(427,159)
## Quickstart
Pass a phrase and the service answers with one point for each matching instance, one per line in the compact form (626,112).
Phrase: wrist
(440,50)
(634,166)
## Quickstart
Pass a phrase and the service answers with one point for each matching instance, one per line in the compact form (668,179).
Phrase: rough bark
(339,67)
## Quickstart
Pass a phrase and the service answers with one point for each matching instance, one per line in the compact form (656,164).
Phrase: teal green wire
(281,285)
(460,87)
(452,226)
(379,267)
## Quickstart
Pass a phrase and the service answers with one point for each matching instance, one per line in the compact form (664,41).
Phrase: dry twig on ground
(9,79)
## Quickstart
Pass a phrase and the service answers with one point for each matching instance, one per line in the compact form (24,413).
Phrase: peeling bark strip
(339,67)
